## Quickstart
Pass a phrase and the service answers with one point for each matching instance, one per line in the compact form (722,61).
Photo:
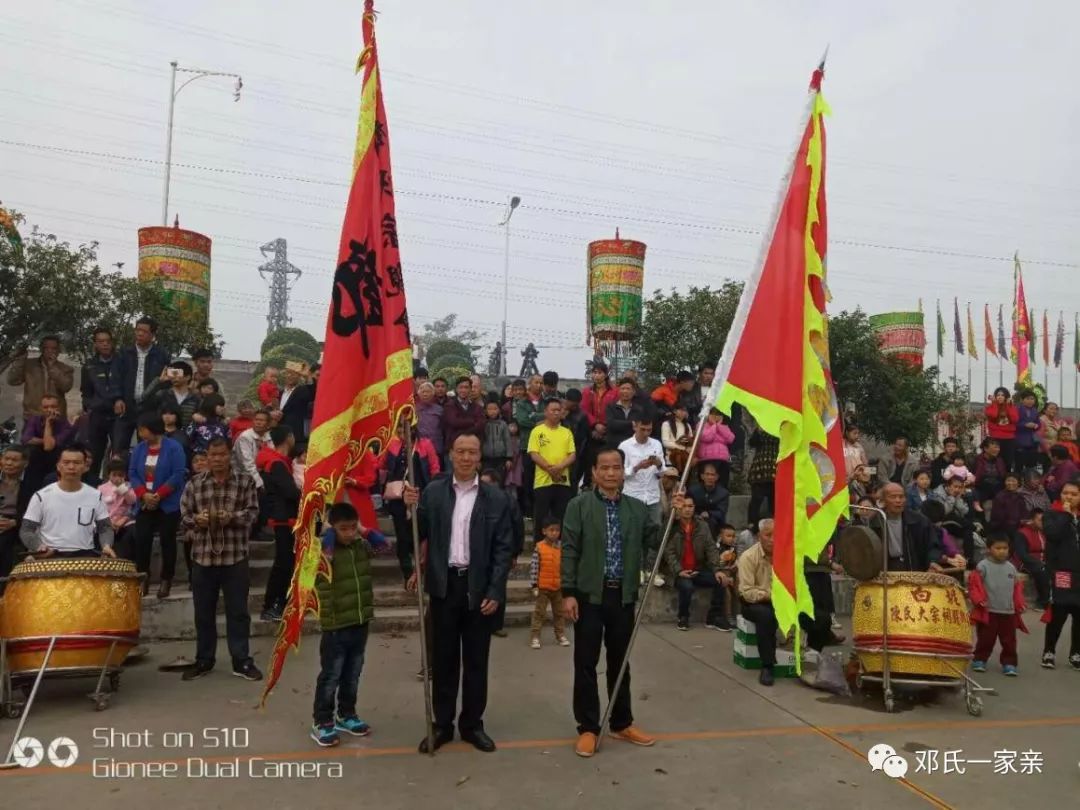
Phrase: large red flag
(776,364)
(366,381)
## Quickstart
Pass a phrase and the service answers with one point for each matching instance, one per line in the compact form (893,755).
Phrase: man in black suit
(467,554)
(141,366)
(294,403)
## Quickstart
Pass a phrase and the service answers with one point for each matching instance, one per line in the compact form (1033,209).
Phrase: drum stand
(13,709)
(972,701)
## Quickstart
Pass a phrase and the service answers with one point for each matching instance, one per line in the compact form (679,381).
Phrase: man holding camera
(217,510)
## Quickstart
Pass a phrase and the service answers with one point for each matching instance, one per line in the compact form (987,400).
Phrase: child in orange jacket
(545,575)
(997,599)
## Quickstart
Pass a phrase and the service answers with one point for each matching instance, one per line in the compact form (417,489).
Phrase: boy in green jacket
(346,608)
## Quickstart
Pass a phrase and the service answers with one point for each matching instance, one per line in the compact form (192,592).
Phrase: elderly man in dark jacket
(912,542)
(467,554)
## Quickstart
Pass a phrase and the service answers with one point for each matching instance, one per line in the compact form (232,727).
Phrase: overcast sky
(952,144)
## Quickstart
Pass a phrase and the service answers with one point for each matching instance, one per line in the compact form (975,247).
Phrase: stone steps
(173,618)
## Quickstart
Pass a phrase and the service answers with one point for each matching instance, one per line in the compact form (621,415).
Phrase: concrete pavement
(724,740)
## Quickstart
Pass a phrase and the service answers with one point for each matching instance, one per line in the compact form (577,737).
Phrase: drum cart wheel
(890,704)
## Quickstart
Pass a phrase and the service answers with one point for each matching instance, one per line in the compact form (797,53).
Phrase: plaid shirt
(219,543)
(613,562)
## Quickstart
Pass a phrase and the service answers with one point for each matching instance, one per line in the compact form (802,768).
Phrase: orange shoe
(586,745)
(634,735)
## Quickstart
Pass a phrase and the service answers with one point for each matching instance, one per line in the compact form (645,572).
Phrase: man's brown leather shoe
(586,745)
(634,735)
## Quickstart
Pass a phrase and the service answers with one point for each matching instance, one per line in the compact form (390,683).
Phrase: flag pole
(970,337)
(723,369)
(429,726)
(1061,357)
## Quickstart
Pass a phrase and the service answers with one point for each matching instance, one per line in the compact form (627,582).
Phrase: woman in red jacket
(1001,420)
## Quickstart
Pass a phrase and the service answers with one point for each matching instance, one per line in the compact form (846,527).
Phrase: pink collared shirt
(465,493)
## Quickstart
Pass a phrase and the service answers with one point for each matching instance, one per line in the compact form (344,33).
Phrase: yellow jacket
(755,575)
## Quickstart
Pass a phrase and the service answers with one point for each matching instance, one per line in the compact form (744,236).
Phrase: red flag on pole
(366,383)
(776,364)
(1046,339)
(988,327)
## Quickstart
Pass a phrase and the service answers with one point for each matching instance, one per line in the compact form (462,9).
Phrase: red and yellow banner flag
(366,381)
(776,364)
(989,329)
(1021,326)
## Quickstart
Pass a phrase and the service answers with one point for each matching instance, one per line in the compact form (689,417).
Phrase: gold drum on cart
(75,598)
(926,615)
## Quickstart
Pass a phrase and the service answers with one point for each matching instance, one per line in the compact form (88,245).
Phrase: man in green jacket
(605,534)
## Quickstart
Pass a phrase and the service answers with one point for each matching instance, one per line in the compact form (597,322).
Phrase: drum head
(859,549)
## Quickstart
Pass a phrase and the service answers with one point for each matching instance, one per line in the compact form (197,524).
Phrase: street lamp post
(512,204)
(174,91)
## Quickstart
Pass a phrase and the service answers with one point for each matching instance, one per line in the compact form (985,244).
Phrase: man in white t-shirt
(644,466)
(62,518)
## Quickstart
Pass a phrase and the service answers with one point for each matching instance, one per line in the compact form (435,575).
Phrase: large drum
(927,620)
(70,597)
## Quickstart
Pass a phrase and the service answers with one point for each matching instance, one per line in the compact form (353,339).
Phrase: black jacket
(282,494)
(101,384)
(920,543)
(491,540)
(578,424)
(294,412)
(156,361)
(1063,554)
(715,502)
(620,426)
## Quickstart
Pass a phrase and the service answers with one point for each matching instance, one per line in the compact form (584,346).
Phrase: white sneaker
(836,625)
(658,581)
(535,643)
(562,641)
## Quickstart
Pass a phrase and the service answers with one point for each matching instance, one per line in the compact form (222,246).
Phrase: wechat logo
(884,758)
(29,752)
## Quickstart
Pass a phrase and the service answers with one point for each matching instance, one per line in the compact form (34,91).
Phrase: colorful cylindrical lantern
(901,334)
(179,261)
(616,275)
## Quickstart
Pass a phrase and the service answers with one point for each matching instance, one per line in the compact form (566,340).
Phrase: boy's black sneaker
(196,670)
(1048,661)
(1074,659)
(683,624)
(248,671)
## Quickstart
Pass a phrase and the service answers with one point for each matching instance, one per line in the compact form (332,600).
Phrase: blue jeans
(342,656)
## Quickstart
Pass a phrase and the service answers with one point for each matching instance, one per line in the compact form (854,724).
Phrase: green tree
(49,287)
(279,355)
(681,330)
(448,352)
(291,335)
(447,329)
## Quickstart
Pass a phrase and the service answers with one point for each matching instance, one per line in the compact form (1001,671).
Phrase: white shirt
(140,372)
(246,448)
(285,394)
(643,484)
(67,520)
(465,499)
